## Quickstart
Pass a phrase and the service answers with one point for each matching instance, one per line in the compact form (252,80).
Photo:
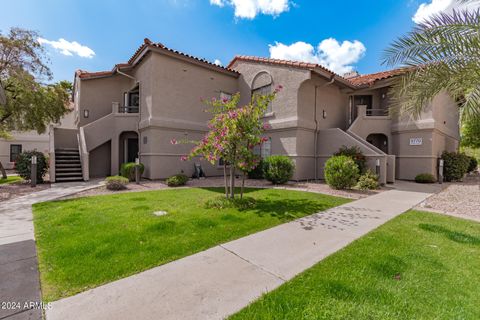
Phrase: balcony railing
(131,109)
(376,112)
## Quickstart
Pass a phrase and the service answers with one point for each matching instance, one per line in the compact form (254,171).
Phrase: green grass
(10,179)
(418,266)
(85,242)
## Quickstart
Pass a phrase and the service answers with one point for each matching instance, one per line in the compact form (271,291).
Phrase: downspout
(315,137)
(139,108)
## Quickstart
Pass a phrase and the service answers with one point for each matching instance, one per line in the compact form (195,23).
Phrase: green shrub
(220,202)
(23,165)
(341,172)
(116,183)
(257,173)
(473,164)
(278,169)
(127,170)
(368,181)
(455,165)
(424,178)
(356,154)
(177,180)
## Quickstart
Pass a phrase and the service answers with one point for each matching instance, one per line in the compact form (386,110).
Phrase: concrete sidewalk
(19,282)
(216,283)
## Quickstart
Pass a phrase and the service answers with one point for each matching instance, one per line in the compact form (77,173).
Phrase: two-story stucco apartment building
(135,109)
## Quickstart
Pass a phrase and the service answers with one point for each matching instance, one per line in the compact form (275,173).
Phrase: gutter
(315,136)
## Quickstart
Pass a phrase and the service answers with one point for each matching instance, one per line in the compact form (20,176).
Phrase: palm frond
(444,38)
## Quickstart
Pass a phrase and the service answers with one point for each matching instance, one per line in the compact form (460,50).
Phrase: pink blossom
(266,126)
(264,139)
(278,88)
(174,141)
(183,158)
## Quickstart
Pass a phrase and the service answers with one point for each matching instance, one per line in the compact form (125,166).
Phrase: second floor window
(262,91)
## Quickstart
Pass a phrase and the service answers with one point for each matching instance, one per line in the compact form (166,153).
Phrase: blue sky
(218,29)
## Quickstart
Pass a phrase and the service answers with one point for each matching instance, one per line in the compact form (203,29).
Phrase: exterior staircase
(68,166)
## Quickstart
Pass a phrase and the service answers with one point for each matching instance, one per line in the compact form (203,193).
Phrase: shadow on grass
(456,236)
(288,208)
(237,190)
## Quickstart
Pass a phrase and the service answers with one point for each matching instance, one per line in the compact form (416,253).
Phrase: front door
(132,149)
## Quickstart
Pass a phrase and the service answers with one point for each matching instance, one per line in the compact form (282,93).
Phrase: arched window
(261,85)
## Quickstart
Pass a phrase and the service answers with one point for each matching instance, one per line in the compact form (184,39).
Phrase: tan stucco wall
(99,161)
(98,94)
(29,140)
(171,108)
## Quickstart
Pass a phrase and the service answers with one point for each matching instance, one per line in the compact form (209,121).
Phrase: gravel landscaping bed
(319,187)
(459,199)
(14,190)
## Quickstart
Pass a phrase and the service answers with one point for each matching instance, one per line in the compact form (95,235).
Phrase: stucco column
(114,152)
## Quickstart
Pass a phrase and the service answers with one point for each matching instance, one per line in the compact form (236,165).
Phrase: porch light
(85,113)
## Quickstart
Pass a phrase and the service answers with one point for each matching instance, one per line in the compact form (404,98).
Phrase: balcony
(376,112)
(117,108)
(128,109)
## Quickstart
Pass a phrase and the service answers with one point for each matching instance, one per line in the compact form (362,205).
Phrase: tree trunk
(225,178)
(232,181)
(2,169)
(243,185)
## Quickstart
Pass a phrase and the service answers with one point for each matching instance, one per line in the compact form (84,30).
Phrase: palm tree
(441,54)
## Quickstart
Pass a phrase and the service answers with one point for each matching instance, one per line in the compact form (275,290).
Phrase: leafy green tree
(471,133)
(441,54)
(26,102)
(234,131)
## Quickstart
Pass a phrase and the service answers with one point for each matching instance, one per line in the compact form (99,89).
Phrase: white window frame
(267,89)
(226,95)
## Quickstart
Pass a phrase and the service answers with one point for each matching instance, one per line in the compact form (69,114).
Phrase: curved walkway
(216,283)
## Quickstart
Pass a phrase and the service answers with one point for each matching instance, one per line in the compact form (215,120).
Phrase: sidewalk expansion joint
(255,265)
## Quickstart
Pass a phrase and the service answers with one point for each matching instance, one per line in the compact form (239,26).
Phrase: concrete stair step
(72,169)
(67,161)
(68,174)
(68,179)
(68,165)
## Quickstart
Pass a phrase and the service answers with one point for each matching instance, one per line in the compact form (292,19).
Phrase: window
(15,150)
(225,95)
(262,91)
(134,99)
(221,162)
(264,150)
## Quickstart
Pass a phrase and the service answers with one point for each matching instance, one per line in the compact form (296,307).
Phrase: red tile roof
(297,64)
(147,44)
(370,79)
(364,80)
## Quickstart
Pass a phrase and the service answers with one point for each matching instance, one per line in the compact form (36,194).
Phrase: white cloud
(329,53)
(218,62)
(69,48)
(249,9)
(427,10)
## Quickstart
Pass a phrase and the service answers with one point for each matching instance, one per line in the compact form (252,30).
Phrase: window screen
(15,150)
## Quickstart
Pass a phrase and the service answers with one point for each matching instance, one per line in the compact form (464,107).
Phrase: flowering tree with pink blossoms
(234,131)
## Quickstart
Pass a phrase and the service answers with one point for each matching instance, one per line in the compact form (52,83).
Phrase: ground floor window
(264,150)
(15,150)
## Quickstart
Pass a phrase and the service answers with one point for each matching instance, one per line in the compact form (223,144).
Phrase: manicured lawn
(418,266)
(10,179)
(85,242)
